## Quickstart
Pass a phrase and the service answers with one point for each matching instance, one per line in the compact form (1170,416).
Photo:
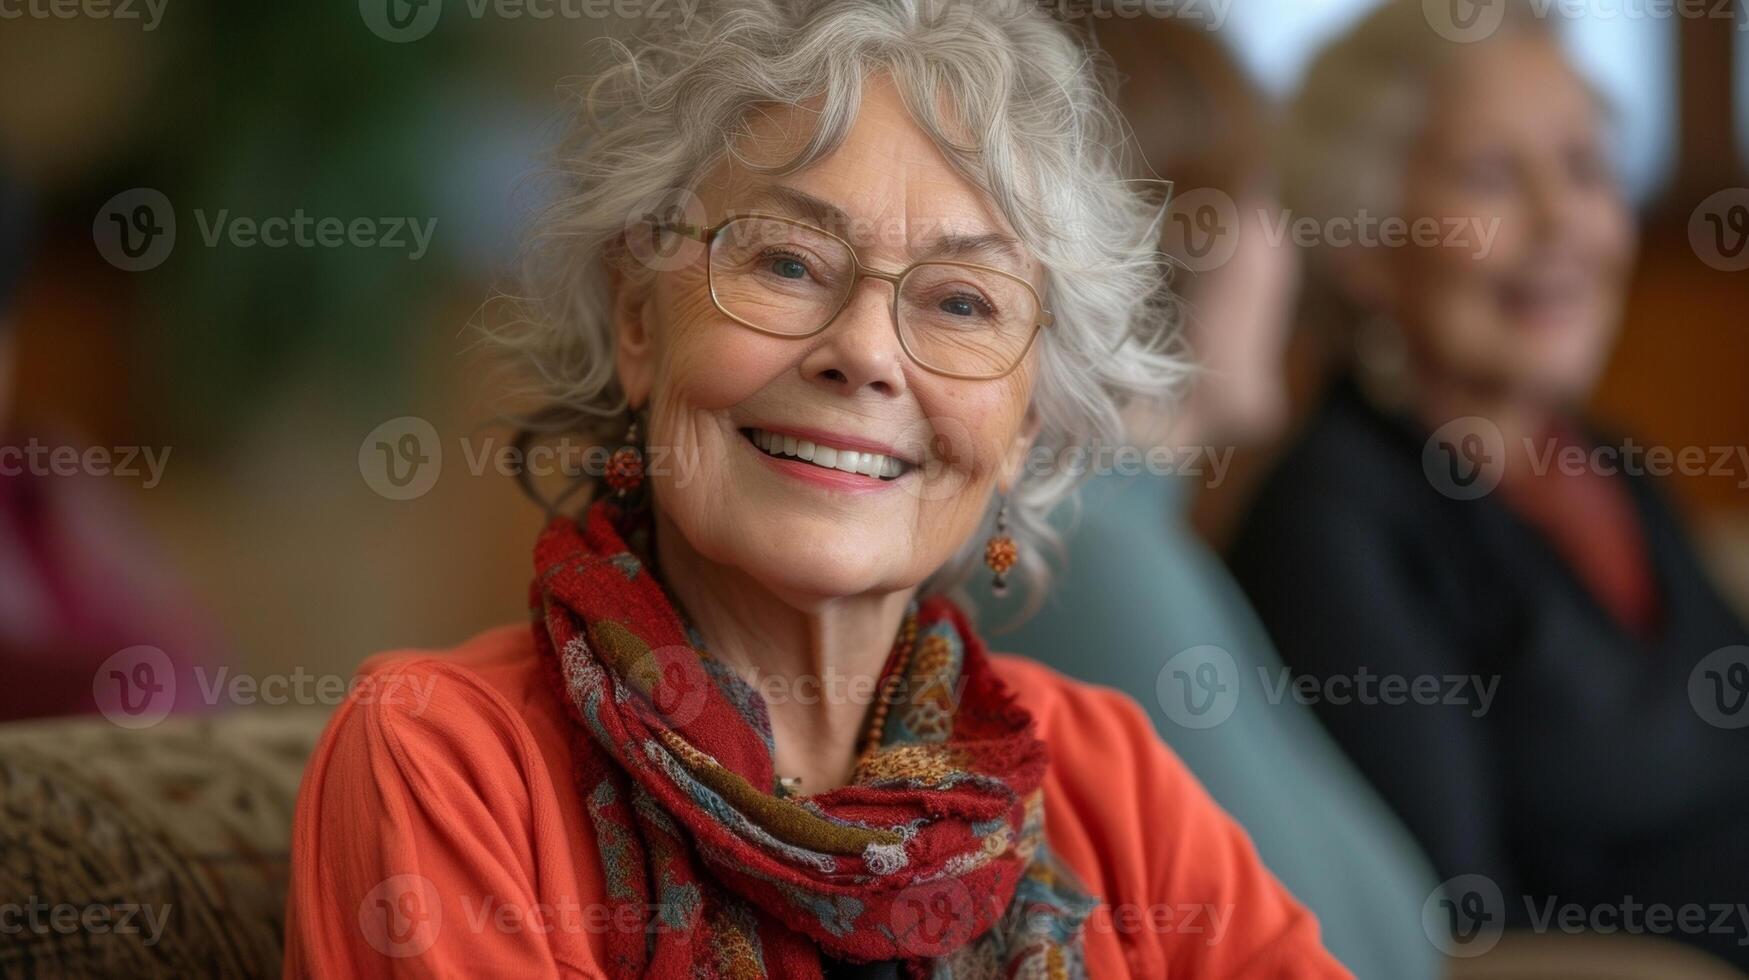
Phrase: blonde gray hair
(1011,96)
(1359,112)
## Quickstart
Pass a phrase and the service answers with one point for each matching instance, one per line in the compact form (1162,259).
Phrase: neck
(816,661)
(1520,418)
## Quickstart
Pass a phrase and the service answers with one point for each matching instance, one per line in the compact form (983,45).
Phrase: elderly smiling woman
(748,734)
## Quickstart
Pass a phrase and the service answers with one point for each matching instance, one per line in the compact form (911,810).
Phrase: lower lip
(820,476)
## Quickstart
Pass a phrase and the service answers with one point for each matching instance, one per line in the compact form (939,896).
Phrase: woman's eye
(961,306)
(1486,175)
(789,268)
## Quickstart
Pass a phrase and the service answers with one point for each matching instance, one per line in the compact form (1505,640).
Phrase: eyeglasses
(788,278)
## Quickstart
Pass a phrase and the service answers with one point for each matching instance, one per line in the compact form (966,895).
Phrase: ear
(1014,460)
(634,349)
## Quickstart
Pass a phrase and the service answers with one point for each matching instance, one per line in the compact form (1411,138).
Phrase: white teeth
(876,465)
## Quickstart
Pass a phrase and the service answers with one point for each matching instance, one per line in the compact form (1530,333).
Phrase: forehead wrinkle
(902,201)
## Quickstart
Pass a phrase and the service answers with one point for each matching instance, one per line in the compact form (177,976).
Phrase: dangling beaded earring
(625,468)
(1000,552)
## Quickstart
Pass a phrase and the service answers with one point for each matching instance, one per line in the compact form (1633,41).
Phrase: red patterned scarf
(933,856)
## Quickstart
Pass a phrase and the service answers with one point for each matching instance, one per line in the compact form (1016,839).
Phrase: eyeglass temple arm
(680,228)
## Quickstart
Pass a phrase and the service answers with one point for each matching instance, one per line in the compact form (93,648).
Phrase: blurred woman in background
(80,581)
(1140,587)
(1419,529)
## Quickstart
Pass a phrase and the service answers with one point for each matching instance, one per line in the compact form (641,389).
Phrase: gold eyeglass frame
(709,235)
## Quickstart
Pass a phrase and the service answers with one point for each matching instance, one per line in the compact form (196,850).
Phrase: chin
(810,557)
(1565,371)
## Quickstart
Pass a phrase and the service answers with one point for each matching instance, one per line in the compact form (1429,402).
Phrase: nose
(1553,200)
(860,349)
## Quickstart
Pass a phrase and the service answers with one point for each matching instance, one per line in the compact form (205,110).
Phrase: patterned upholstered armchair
(152,853)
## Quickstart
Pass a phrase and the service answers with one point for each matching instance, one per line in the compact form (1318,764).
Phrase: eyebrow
(800,204)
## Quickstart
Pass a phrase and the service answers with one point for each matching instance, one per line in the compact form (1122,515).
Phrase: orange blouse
(439,833)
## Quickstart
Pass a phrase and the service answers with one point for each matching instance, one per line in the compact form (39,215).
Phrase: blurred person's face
(717,391)
(1239,315)
(1515,143)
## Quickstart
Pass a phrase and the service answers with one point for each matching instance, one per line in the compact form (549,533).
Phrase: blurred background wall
(273,376)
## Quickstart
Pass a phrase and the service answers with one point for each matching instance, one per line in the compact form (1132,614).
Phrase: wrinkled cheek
(711,363)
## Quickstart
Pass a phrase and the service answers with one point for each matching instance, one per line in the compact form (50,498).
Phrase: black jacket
(1594,776)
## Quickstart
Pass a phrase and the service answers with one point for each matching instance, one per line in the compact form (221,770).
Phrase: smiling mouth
(876,465)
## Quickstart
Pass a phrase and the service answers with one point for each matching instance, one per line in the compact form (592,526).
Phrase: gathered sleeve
(416,844)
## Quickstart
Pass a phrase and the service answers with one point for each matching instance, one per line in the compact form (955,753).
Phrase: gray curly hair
(1015,101)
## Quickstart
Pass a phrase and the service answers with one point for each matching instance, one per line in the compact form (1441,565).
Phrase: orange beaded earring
(1000,552)
(625,468)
